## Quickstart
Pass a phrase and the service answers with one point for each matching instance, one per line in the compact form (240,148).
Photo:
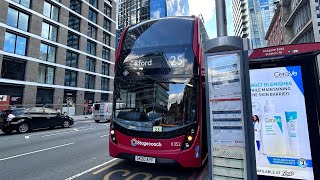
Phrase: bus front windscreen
(145,102)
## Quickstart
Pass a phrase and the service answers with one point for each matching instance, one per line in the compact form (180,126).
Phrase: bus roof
(151,20)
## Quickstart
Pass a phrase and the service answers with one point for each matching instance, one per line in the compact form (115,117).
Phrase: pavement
(82,117)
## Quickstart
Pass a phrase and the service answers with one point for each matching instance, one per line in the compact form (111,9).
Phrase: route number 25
(176,60)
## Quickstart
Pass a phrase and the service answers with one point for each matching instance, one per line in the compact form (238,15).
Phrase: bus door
(285,103)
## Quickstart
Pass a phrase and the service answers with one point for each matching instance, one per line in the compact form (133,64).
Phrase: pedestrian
(257,132)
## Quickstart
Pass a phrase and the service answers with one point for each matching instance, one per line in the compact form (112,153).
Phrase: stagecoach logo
(135,142)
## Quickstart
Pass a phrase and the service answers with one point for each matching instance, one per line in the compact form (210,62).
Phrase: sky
(208,11)
(204,7)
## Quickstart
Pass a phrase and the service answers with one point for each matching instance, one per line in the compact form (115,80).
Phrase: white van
(102,112)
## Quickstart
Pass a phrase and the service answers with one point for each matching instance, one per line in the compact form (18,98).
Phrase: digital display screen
(280,123)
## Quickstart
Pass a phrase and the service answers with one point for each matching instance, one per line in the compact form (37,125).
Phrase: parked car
(25,119)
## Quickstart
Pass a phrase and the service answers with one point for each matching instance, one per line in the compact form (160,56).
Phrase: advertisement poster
(225,105)
(280,123)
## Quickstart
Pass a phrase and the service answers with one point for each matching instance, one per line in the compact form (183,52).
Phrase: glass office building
(256,16)
(135,11)
(158,9)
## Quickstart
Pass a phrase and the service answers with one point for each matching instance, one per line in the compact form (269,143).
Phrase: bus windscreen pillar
(228,108)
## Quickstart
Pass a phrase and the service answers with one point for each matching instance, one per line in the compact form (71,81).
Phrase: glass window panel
(45,30)
(73,79)
(13,69)
(67,78)
(75,5)
(23,21)
(9,42)
(47,9)
(12,18)
(55,13)
(42,74)
(43,52)
(25,3)
(52,54)
(53,33)
(50,75)
(21,45)
(74,22)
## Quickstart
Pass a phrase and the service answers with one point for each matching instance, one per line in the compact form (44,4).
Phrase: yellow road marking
(147,176)
(102,169)
(125,173)
(165,177)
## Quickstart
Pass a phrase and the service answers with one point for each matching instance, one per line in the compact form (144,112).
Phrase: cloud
(156,14)
(177,7)
(204,7)
(208,10)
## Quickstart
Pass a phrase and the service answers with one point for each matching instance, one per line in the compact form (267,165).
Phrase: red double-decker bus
(158,93)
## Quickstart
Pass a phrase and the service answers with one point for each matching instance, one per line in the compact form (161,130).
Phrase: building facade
(256,16)
(57,52)
(300,20)
(275,34)
(240,18)
(132,12)
(135,11)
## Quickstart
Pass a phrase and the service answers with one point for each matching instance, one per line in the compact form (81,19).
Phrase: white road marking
(55,131)
(105,135)
(67,132)
(46,149)
(26,137)
(91,169)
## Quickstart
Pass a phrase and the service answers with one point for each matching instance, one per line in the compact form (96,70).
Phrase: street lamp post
(221,18)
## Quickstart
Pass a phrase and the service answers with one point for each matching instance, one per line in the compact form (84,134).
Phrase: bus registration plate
(145,159)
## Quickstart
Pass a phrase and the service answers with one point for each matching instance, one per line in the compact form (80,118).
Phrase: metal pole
(221,18)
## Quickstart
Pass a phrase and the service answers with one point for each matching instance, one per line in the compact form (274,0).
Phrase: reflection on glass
(42,74)
(55,13)
(47,9)
(45,30)
(169,103)
(23,21)
(53,33)
(9,42)
(21,45)
(43,52)
(52,54)
(25,3)
(50,75)
(12,18)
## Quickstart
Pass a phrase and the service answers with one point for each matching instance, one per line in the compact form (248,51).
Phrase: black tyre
(7,131)
(23,128)
(96,121)
(66,124)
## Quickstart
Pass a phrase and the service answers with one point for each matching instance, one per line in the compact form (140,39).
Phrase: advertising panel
(280,123)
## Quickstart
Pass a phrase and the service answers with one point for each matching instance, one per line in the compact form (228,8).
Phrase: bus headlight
(113,136)
(188,139)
